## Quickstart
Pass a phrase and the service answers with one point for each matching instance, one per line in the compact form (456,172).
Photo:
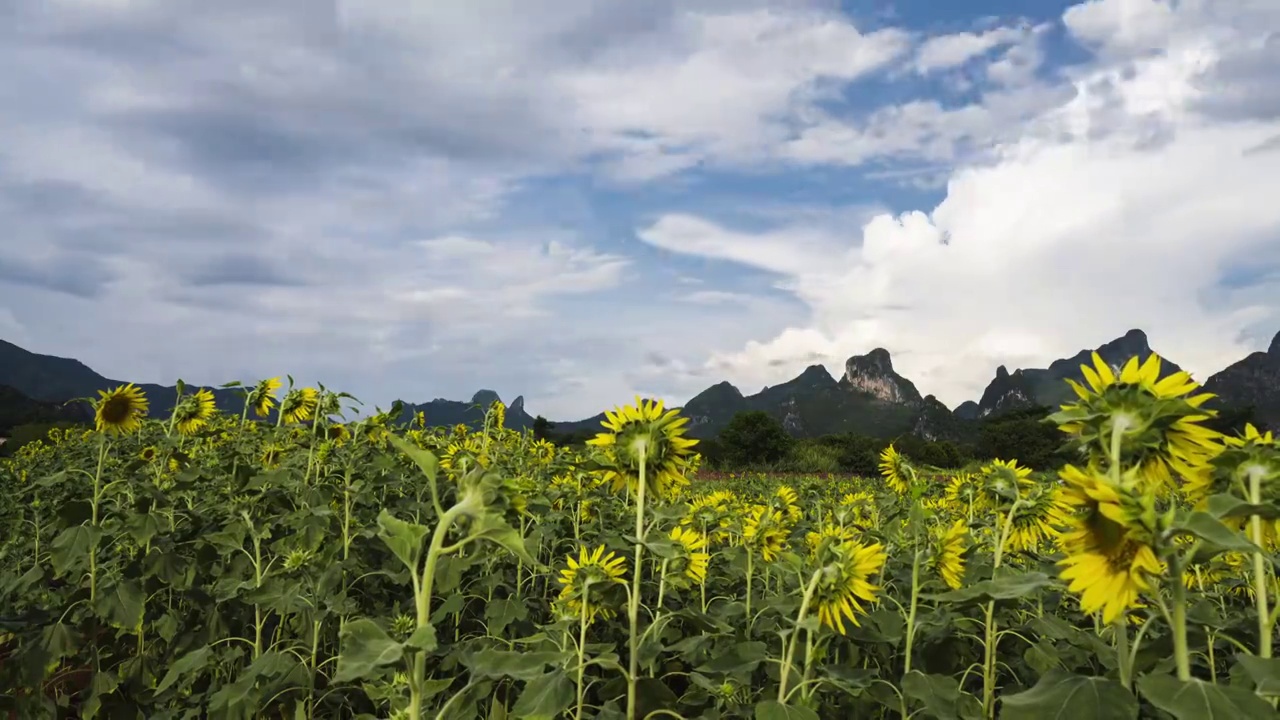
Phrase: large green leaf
(1226,505)
(184,668)
(494,529)
(774,710)
(1060,695)
(545,696)
(365,647)
(941,696)
(1264,672)
(424,459)
(1213,533)
(404,538)
(70,549)
(121,604)
(509,663)
(1200,700)
(1005,587)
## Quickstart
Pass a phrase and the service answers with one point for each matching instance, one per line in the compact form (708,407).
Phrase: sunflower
(299,405)
(1003,481)
(949,550)
(709,514)
(194,412)
(1156,420)
(337,434)
(787,502)
(587,580)
(263,396)
(645,431)
(965,492)
(271,455)
(845,580)
(764,532)
(828,534)
(121,410)
(497,415)
(148,454)
(1109,557)
(897,472)
(691,564)
(463,455)
(1042,512)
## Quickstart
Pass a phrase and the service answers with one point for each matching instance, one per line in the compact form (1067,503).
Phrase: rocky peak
(484,398)
(517,405)
(1002,372)
(815,376)
(1274,350)
(873,374)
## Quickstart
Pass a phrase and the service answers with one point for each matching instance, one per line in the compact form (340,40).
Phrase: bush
(753,438)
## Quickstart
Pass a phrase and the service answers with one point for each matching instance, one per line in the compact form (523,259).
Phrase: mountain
(1253,381)
(18,409)
(870,398)
(53,379)
(1030,387)
(441,412)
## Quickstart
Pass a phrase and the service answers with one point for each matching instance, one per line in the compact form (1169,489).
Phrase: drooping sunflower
(463,455)
(194,412)
(897,472)
(709,516)
(1043,510)
(587,581)
(964,493)
(764,532)
(497,415)
(1109,557)
(949,549)
(828,534)
(148,454)
(299,405)
(845,583)
(263,396)
(1157,421)
(1003,481)
(786,501)
(645,430)
(121,410)
(690,566)
(271,455)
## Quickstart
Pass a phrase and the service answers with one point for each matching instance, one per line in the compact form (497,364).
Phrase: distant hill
(17,409)
(869,398)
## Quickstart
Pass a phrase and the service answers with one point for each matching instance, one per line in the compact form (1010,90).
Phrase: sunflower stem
(911,614)
(582,645)
(1181,654)
(789,653)
(633,610)
(97,499)
(1259,569)
(1121,628)
(990,639)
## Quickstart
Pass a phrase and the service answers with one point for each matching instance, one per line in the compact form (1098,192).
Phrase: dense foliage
(222,567)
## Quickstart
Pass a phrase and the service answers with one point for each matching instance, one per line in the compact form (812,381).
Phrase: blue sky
(583,200)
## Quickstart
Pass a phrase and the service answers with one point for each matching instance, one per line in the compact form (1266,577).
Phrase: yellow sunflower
(121,410)
(148,454)
(764,532)
(271,455)
(787,502)
(299,405)
(263,396)
(1003,481)
(461,456)
(897,472)
(645,430)
(194,412)
(1042,512)
(845,583)
(587,580)
(1109,558)
(828,534)
(949,550)
(709,515)
(691,565)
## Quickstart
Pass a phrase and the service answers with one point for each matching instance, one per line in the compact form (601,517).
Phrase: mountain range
(869,397)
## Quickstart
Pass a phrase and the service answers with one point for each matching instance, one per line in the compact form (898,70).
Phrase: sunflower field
(235,566)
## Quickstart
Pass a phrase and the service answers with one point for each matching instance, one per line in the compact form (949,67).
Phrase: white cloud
(1120,208)
(944,52)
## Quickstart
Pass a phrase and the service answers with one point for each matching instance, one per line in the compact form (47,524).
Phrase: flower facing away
(845,583)
(587,581)
(645,430)
(764,532)
(948,554)
(460,457)
(828,534)
(690,567)
(897,472)
(1003,481)
(1037,519)
(263,396)
(299,405)
(121,410)
(710,515)
(1108,554)
(194,412)
(786,502)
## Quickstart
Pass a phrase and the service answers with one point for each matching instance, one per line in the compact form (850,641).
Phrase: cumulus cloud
(1125,206)
(948,51)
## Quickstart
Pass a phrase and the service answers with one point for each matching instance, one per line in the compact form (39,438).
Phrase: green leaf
(404,538)
(70,549)
(941,696)
(121,604)
(1227,505)
(1217,536)
(365,647)
(545,697)
(1061,695)
(183,667)
(424,459)
(495,529)
(743,657)
(1264,672)
(774,710)
(1199,700)
(1005,587)
(500,613)
(424,639)
(520,665)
